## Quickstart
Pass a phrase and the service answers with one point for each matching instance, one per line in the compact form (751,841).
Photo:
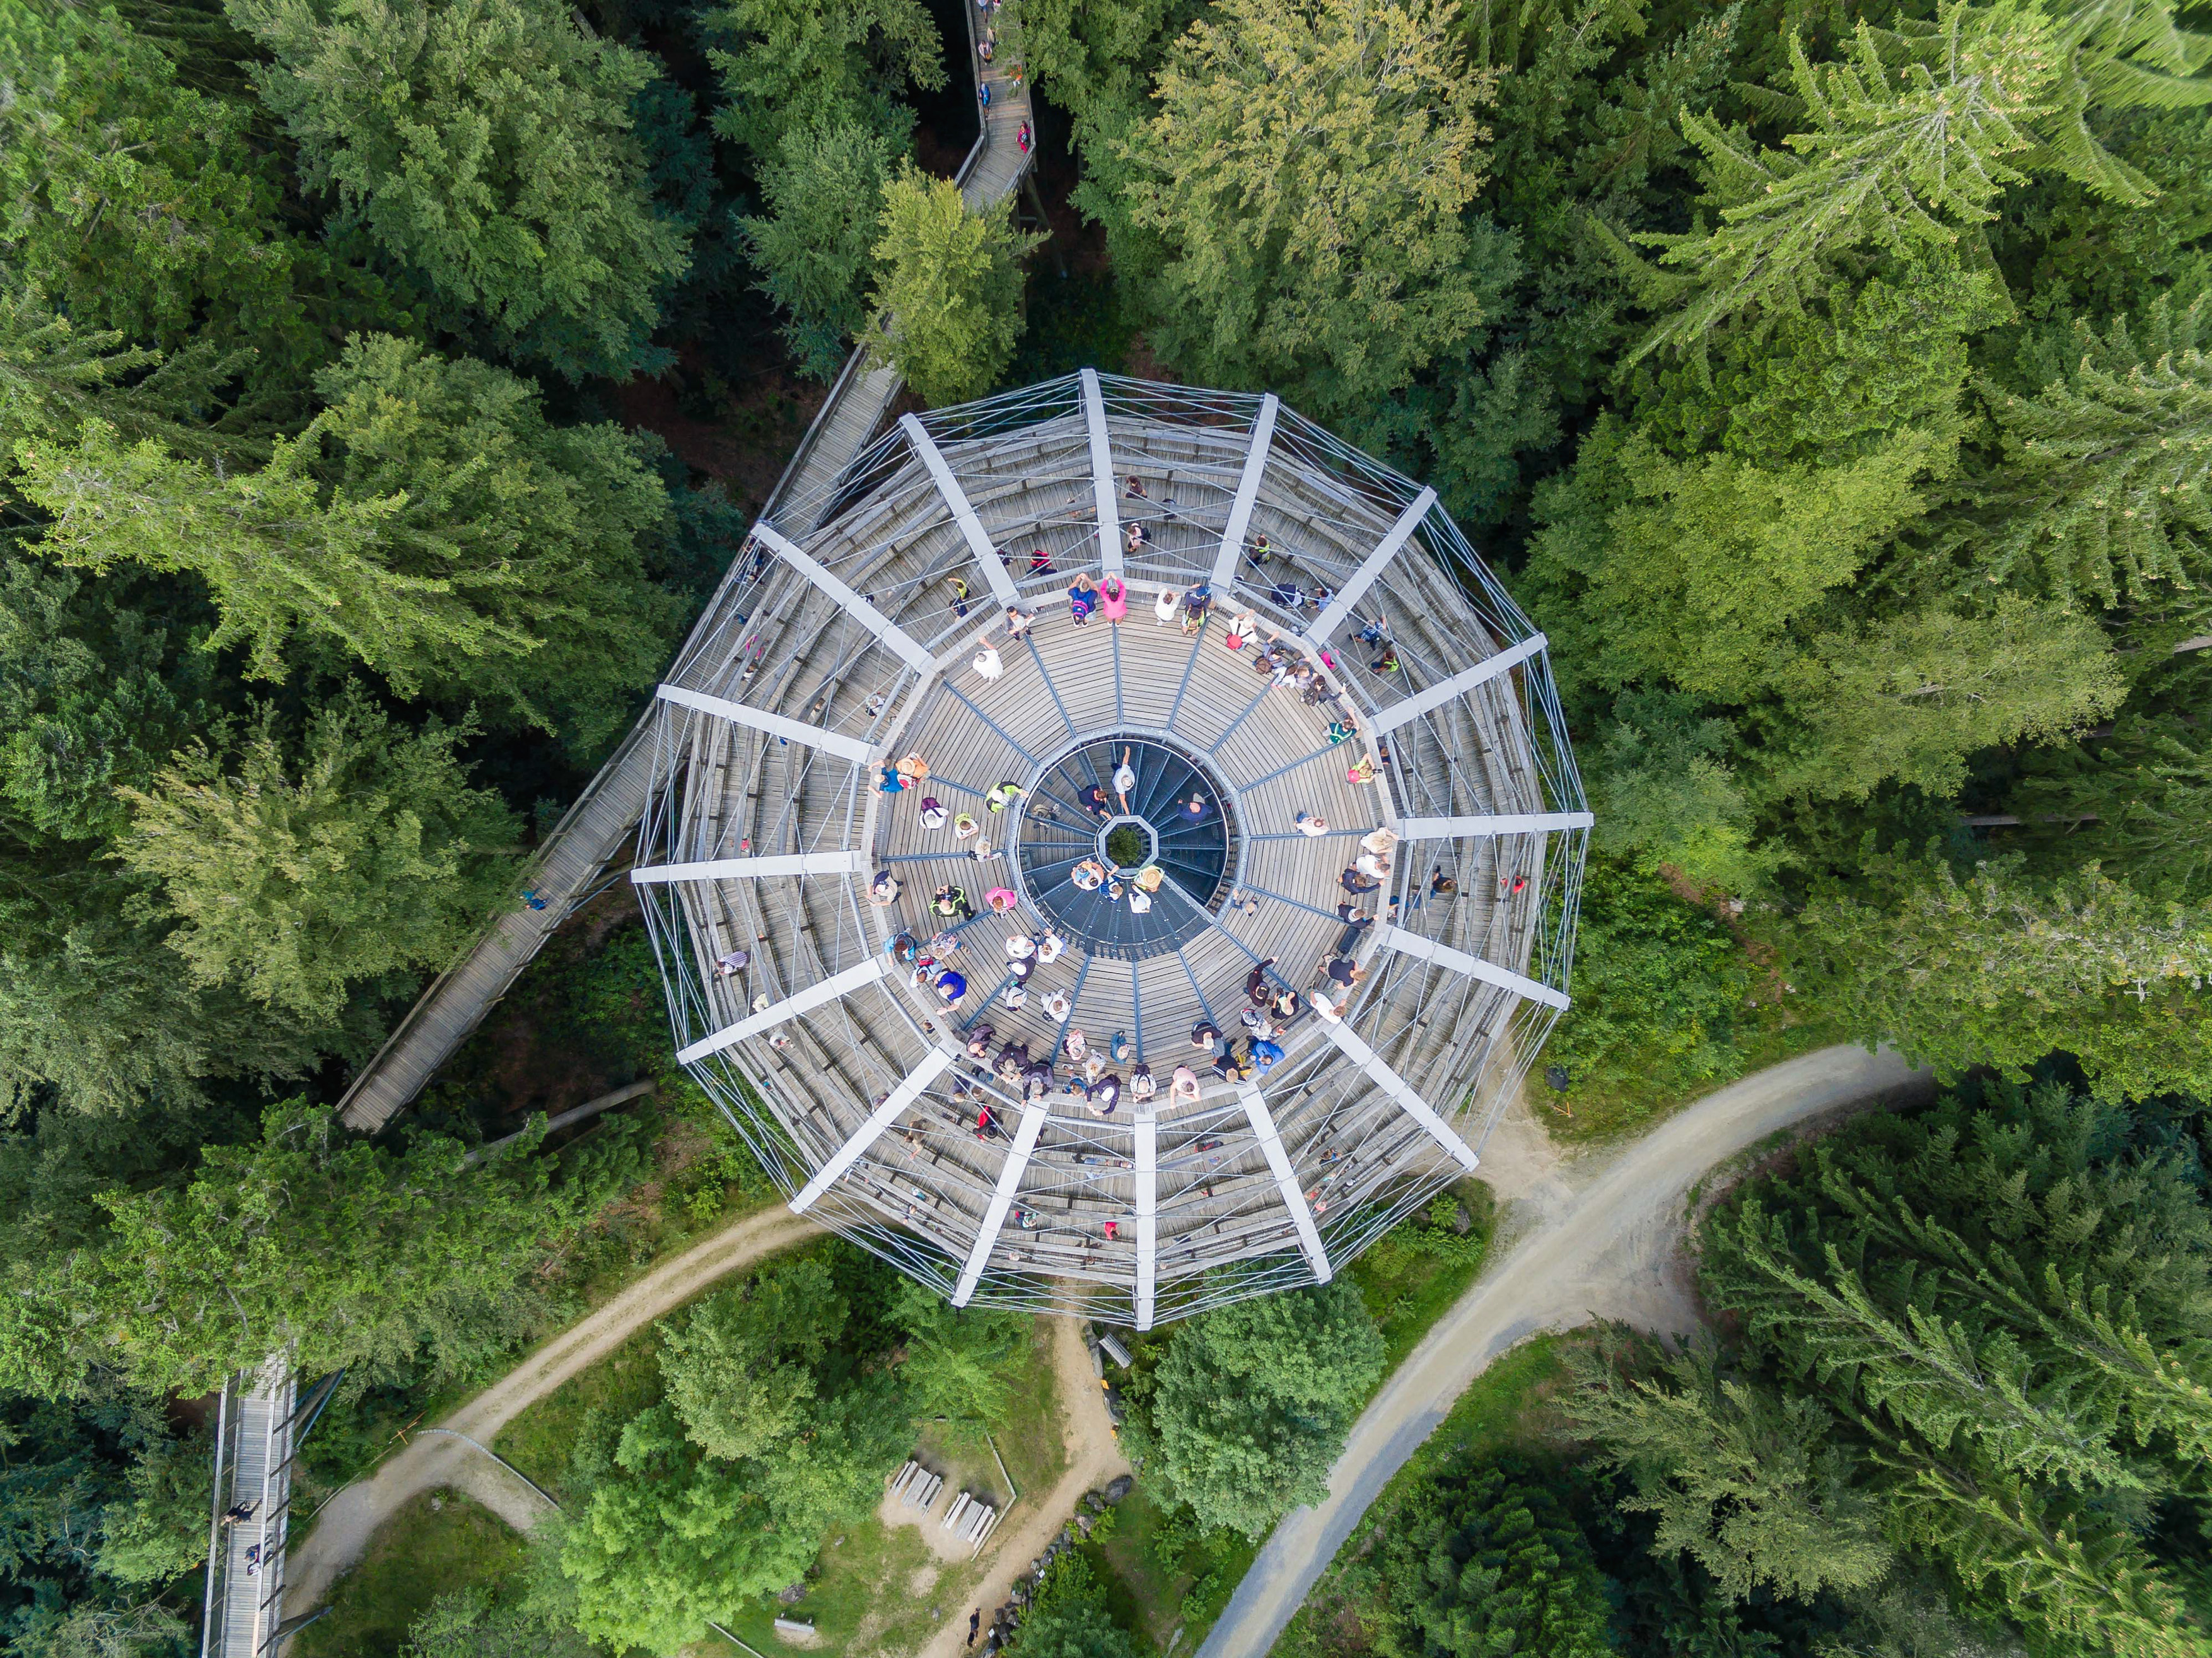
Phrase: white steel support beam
(1002,1199)
(1531,823)
(1458,685)
(1286,1180)
(1102,476)
(1147,1126)
(1427,950)
(909,649)
(814,996)
(1402,1092)
(963,514)
(934,1064)
(728,869)
(845,748)
(1248,492)
(1356,583)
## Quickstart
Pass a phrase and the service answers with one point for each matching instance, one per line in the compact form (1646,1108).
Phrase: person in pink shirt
(1113,598)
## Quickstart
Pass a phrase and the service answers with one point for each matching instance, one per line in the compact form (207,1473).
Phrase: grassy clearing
(421,1554)
(1406,1289)
(1159,1576)
(1507,1408)
(880,1590)
(1599,1110)
(539,1440)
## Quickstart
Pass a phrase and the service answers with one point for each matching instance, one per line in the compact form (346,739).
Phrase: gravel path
(341,1532)
(1591,1237)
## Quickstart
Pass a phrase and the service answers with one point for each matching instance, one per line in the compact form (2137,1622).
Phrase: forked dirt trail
(341,1532)
(1093,1458)
(1597,1239)
(1587,1235)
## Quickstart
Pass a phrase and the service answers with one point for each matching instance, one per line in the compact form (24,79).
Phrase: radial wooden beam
(805,1001)
(1002,1199)
(964,514)
(1286,1180)
(775,724)
(1527,822)
(1147,1127)
(738,869)
(1248,492)
(1402,1092)
(1458,685)
(935,1065)
(1102,476)
(909,649)
(1356,583)
(1427,950)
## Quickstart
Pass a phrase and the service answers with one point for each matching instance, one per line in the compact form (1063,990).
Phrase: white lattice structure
(842,648)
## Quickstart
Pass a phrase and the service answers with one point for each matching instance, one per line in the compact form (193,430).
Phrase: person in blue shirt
(1265,1053)
(951,986)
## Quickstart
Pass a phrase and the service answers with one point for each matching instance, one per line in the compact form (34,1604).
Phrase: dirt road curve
(343,1531)
(1596,1240)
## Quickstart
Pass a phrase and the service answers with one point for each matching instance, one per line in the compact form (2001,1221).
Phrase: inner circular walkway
(1130,873)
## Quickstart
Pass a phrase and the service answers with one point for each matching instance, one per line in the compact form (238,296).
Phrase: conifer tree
(137,203)
(429,523)
(815,243)
(2000,970)
(2107,488)
(294,878)
(1906,163)
(789,65)
(1304,180)
(1743,1479)
(1908,697)
(54,377)
(488,145)
(2139,801)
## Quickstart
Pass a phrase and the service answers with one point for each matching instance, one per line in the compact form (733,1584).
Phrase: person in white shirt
(1125,779)
(987,663)
(1312,824)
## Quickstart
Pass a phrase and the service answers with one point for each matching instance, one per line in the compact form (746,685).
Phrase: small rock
(1119,1488)
(1094,1501)
(1082,1524)
(437,1505)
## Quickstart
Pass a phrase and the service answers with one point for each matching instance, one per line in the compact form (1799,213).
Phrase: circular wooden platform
(851,646)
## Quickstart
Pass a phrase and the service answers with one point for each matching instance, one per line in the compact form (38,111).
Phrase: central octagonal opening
(1128,846)
(1128,843)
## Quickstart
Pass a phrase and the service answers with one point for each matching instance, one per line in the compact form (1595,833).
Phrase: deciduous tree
(1251,1403)
(948,293)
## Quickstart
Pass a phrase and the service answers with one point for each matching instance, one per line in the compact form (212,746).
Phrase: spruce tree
(487,144)
(2107,486)
(815,245)
(294,878)
(789,65)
